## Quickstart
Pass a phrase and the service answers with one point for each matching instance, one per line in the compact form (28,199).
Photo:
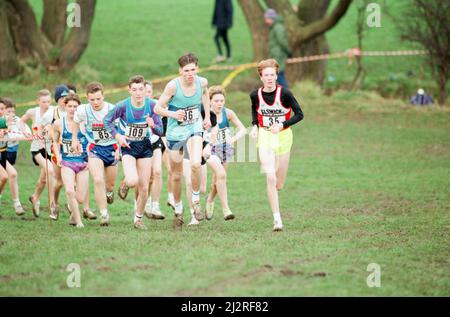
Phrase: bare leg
(220,179)
(142,187)
(68,177)
(188,181)
(13,184)
(283,166)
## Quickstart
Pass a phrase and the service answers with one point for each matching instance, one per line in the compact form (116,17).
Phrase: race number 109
(232,307)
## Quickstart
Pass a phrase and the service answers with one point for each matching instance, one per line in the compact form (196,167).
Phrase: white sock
(155,204)
(170,197)
(135,205)
(137,217)
(179,208)
(104,212)
(16,201)
(149,200)
(277,218)
(195,197)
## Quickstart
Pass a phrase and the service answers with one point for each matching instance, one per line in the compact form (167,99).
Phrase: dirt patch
(288,272)
(319,274)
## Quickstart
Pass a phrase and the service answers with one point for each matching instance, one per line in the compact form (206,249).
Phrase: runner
(73,164)
(39,149)
(206,153)
(5,123)
(272,108)
(136,116)
(16,131)
(103,151)
(222,151)
(152,207)
(184,96)
(49,118)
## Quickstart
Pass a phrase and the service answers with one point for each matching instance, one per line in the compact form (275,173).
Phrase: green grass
(150,35)
(369,182)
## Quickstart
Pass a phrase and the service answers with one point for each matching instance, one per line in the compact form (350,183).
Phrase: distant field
(368,183)
(148,36)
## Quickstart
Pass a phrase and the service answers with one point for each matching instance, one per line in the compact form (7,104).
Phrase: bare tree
(306,25)
(358,80)
(427,22)
(24,42)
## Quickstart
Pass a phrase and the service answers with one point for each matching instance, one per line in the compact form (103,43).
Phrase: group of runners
(185,130)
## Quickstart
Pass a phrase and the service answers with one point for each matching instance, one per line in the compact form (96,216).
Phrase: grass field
(143,41)
(369,182)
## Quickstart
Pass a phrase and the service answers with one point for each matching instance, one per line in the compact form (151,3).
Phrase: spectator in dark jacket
(222,20)
(278,43)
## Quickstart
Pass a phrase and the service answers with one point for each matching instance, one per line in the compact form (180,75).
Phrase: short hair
(266,64)
(148,83)
(138,79)
(72,87)
(93,87)
(73,97)
(187,59)
(216,90)
(43,93)
(9,103)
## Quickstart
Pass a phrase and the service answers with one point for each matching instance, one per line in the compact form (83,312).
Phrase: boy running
(103,151)
(135,116)
(183,96)
(40,149)
(274,111)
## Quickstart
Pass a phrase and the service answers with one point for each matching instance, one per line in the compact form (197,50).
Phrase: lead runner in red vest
(274,111)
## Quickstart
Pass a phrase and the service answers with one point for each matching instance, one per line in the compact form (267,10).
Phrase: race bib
(191,115)
(222,135)
(100,133)
(269,121)
(67,149)
(136,131)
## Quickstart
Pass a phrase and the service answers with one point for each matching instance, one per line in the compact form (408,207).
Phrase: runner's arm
(288,99)
(231,115)
(119,111)
(206,103)
(161,104)
(55,139)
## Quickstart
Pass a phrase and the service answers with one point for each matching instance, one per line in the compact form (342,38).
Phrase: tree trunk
(78,38)
(305,28)
(27,37)
(54,21)
(254,14)
(9,64)
(443,93)
(308,12)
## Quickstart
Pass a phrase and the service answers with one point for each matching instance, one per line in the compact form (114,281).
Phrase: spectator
(421,98)
(222,20)
(278,43)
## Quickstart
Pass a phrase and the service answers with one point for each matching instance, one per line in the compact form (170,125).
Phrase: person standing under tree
(278,43)
(222,20)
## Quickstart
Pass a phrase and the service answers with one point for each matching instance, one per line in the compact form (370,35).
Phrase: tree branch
(79,37)
(54,21)
(27,36)
(321,26)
